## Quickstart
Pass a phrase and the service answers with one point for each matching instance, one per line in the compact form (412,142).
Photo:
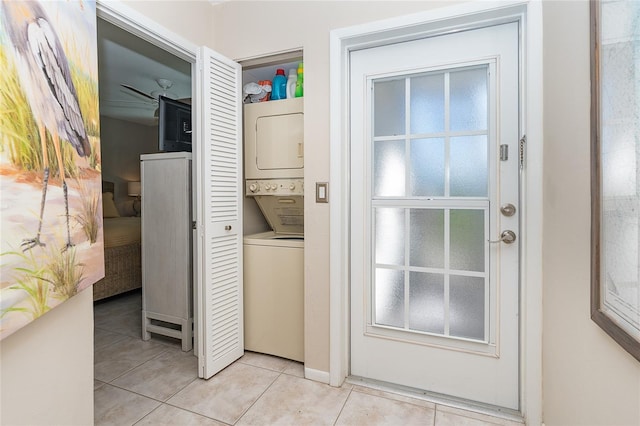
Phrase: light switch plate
(322,192)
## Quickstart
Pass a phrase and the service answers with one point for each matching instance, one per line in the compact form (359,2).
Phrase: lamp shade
(134,189)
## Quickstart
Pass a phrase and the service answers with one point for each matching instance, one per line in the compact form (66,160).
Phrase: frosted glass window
(427,167)
(389,297)
(427,104)
(467,240)
(390,234)
(426,233)
(389,107)
(468,92)
(426,302)
(469,168)
(388,168)
(466,307)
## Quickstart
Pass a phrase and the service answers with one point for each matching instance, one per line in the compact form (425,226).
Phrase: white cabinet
(167,290)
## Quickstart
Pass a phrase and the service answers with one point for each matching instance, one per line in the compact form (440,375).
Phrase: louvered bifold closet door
(219,183)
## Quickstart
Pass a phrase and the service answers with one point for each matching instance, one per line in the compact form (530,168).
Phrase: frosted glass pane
(426,238)
(468,92)
(466,307)
(467,240)
(426,302)
(389,108)
(427,104)
(427,167)
(389,296)
(468,162)
(388,168)
(390,232)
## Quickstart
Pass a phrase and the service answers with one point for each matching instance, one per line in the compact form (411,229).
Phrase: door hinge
(193,225)
(523,141)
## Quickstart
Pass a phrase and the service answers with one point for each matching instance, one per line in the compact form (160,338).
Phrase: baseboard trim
(317,375)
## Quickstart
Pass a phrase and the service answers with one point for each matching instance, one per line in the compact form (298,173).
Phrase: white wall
(46,368)
(191,19)
(588,379)
(122,142)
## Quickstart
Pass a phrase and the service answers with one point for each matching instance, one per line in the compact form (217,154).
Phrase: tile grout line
(264,368)
(258,398)
(136,393)
(180,390)
(161,403)
(194,412)
(150,397)
(146,415)
(343,405)
(133,368)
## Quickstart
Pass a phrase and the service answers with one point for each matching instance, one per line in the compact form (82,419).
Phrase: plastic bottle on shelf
(300,81)
(279,86)
(291,83)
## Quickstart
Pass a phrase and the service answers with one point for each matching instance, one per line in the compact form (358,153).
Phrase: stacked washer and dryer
(274,260)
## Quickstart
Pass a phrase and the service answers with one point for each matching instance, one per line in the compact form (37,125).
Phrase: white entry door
(435,214)
(218,203)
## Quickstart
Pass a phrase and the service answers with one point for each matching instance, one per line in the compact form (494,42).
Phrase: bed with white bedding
(122,250)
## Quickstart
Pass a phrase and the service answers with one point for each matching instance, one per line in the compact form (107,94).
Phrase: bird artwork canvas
(51,241)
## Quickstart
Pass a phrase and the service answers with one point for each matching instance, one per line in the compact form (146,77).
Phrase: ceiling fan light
(164,83)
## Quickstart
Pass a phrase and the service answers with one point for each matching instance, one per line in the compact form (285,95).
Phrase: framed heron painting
(51,244)
(615,170)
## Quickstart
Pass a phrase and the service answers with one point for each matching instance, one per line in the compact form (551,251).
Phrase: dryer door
(279,141)
(274,139)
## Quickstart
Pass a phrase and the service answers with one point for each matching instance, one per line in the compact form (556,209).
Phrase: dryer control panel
(277,187)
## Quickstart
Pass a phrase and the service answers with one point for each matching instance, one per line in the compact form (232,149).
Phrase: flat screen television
(174,125)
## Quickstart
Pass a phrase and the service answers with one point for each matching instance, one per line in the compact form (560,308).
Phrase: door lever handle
(507,237)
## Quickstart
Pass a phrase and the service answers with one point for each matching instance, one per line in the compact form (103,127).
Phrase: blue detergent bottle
(279,87)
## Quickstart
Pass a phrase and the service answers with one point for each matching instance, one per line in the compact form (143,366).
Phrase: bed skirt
(123,271)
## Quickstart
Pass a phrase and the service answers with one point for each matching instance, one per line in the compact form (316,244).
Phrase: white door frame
(440,21)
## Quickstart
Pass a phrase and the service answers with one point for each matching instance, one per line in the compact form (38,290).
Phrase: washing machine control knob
(253,187)
(292,186)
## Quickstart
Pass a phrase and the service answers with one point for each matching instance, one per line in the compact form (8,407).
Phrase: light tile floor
(155,383)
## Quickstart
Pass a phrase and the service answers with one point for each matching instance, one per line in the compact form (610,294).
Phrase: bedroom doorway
(130,62)
(216,188)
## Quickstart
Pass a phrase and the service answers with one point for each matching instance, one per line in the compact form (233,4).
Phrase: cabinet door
(166,242)
(218,174)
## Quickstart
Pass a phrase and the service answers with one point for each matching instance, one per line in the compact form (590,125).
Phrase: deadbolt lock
(508,210)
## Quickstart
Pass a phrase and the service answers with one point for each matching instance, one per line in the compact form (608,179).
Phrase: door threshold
(437,398)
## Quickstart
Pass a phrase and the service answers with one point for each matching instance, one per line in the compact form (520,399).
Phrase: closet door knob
(227,228)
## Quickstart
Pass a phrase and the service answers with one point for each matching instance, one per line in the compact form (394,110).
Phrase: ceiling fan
(164,84)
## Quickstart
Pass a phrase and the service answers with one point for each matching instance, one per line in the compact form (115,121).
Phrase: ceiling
(126,59)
